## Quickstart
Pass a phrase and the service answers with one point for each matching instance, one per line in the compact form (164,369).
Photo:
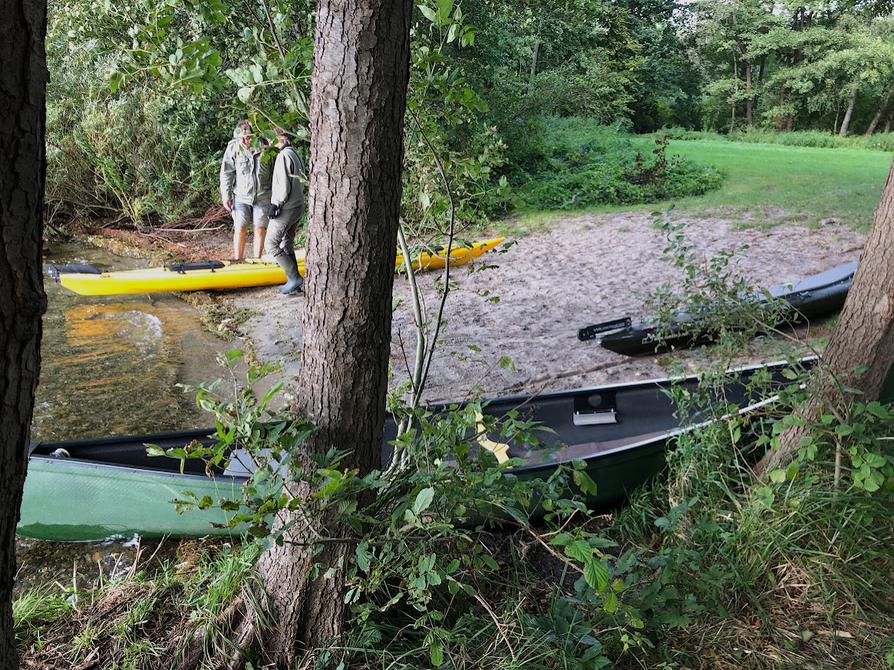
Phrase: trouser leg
(281,246)
(281,233)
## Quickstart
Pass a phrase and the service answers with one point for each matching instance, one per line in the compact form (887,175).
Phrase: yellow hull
(236,275)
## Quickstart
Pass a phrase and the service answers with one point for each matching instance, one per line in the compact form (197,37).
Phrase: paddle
(591,332)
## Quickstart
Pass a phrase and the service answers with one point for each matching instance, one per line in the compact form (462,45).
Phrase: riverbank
(511,319)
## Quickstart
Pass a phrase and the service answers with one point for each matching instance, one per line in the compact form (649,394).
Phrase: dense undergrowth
(462,565)
(574,163)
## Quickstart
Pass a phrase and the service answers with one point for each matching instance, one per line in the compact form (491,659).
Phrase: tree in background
(22,301)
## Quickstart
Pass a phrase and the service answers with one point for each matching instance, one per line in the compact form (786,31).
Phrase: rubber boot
(294,282)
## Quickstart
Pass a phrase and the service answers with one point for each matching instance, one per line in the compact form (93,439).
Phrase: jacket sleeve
(227,174)
(279,190)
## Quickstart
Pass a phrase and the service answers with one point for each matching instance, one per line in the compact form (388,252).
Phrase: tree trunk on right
(861,349)
(23,79)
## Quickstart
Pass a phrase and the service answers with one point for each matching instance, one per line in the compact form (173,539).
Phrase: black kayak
(99,488)
(810,298)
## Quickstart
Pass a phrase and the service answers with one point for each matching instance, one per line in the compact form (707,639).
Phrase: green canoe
(110,487)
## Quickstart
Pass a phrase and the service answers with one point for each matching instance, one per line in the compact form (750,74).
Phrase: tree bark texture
(863,338)
(358,100)
(878,115)
(23,80)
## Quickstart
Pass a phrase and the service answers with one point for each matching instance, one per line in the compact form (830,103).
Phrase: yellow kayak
(87,280)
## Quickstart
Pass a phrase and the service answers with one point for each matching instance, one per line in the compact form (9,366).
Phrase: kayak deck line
(85,279)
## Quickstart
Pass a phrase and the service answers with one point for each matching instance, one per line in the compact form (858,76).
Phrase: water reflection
(110,364)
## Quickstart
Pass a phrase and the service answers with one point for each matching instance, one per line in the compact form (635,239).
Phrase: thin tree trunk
(732,122)
(887,128)
(861,350)
(23,80)
(749,103)
(846,121)
(878,115)
(783,122)
(358,99)
(533,72)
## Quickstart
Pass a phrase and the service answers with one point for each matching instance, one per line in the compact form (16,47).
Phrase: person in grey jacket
(286,209)
(245,188)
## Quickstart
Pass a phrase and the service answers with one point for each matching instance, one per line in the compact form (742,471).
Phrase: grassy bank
(809,184)
(765,184)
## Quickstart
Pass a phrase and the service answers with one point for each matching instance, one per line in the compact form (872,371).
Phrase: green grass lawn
(844,184)
(807,183)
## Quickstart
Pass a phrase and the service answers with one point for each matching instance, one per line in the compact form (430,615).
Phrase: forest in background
(529,105)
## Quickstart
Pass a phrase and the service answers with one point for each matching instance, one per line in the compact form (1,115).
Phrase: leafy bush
(581,164)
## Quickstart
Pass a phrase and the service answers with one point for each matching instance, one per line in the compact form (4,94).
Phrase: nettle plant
(426,535)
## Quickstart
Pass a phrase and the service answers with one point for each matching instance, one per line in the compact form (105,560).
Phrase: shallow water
(110,365)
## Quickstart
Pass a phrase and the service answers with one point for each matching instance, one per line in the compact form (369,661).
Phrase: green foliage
(426,569)
(580,164)
(33,612)
(711,301)
(708,549)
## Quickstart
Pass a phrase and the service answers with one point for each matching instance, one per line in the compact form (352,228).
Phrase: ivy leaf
(436,653)
(244,93)
(584,482)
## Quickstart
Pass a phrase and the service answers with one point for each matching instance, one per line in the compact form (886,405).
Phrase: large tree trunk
(846,121)
(878,115)
(23,79)
(863,339)
(358,99)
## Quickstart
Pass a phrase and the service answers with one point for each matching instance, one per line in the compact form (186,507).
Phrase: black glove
(273,211)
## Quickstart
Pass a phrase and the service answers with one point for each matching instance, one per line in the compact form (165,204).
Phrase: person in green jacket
(286,210)
(245,177)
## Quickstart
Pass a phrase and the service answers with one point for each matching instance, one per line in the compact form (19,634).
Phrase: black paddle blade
(591,332)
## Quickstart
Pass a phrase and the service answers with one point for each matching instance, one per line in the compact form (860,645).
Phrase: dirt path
(586,269)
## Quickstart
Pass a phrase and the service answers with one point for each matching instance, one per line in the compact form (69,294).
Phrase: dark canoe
(813,297)
(110,487)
